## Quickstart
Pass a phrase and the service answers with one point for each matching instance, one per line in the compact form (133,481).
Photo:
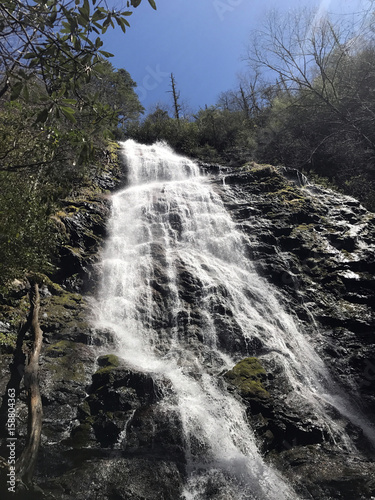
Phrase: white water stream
(167,223)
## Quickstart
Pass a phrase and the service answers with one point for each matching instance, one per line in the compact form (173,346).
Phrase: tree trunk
(176,96)
(26,463)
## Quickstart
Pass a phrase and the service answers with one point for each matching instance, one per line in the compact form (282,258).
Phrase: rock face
(105,433)
(317,248)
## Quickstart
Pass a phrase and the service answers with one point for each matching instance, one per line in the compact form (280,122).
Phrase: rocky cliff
(317,247)
(104,432)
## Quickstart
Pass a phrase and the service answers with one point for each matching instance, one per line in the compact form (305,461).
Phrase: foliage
(27,234)
(307,103)
(53,41)
(60,100)
(50,59)
(208,136)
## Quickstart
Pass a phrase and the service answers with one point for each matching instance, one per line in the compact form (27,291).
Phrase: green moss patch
(248,376)
(60,348)
(109,360)
(107,363)
(63,361)
(66,311)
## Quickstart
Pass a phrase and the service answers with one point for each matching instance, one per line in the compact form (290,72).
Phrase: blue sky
(201,41)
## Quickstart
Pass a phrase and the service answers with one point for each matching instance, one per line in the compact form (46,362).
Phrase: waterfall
(186,304)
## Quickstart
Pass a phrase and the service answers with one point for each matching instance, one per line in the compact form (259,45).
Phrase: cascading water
(173,269)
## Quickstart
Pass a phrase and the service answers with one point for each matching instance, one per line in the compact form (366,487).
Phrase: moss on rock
(66,311)
(81,436)
(108,362)
(248,376)
(66,361)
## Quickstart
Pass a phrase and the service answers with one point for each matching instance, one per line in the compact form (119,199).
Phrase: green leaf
(85,10)
(73,24)
(70,102)
(121,23)
(66,27)
(62,91)
(105,54)
(98,15)
(83,21)
(34,62)
(135,3)
(23,74)
(51,20)
(152,3)
(68,113)
(25,93)
(107,22)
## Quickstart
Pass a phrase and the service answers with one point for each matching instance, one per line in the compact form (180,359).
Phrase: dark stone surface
(317,247)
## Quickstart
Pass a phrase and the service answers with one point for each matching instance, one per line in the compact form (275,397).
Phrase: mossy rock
(68,300)
(60,348)
(81,436)
(109,360)
(64,361)
(8,339)
(67,310)
(43,279)
(248,376)
(107,363)
(64,369)
(262,168)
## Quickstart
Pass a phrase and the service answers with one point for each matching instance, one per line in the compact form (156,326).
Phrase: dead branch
(26,463)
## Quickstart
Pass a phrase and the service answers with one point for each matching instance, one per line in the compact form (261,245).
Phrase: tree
(54,41)
(113,89)
(49,50)
(308,54)
(52,67)
(176,96)
(246,97)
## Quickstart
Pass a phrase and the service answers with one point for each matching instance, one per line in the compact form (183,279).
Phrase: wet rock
(327,474)
(277,425)
(317,247)
(248,376)
(119,478)
(84,227)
